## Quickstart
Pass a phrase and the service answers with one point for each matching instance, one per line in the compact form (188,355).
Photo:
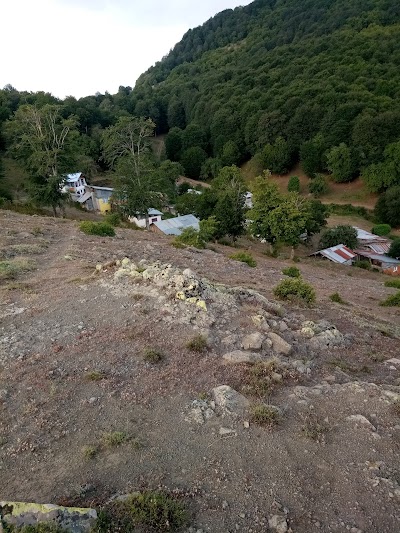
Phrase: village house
(153,216)
(338,254)
(75,185)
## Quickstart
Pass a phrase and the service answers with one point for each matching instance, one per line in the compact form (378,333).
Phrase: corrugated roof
(379,248)
(101,188)
(154,212)
(73,177)
(175,226)
(363,235)
(378,257)
(83,198)
(338,254)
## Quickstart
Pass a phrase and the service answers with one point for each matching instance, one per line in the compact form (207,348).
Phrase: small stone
(238,357)
(360,419)
(278,523)
(246,424)
(225,505)
(230,400)
(276,377)
(279,345)
(92,400)
(253,341)
(226,431)
(394,361)
(99,267)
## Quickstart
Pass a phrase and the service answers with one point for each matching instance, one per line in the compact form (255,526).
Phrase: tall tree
(127,149)
(229,212)
(340,163)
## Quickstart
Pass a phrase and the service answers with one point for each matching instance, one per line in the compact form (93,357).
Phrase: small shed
(375,243)
(175,226)
(338,254)
(379,260)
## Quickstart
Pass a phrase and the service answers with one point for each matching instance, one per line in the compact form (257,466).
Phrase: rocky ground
(128,364)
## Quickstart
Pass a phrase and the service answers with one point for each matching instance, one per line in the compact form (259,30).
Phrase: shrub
(197,344)
(97,228)
(318,186)
(113,219)
(115,438)
(151,510)
(294,184)
(265,415)
(392,301)
(189,237)
(11,269)
(95,375)
(295,289)
(335,297)
(381,229)
(244,257)
(153,356)
(89,452)
(313,428)
(395,283)
(346,235)
(394,250)
(364,264)
(43,527)
(292,272)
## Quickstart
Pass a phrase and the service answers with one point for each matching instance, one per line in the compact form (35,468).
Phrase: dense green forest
(315,81)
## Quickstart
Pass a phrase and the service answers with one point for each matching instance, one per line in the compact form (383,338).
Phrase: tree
(277,157)
(312,155)
(387,208)
(380,176)
(318,214)
(289,220)
(318,186)
(294,184)
(46,145)
(192,136)
(230,154)
(41,139)
(173,144)
(394,250)
(230,189)
(266,197)
(165,177)
(342,234)
(211,168)
(192,161)
(339,163)
(5,193)
(126,147)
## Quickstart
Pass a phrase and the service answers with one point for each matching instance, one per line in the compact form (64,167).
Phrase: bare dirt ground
(72,369)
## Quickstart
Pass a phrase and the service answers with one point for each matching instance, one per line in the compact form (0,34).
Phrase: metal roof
(338,254)
(363,235)
(100,188)
(73,177)
(154,212)
(378,257)
(175,226)
(86,196)
(379,248)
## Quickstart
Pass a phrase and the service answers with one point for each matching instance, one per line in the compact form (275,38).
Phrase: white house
(154,216)
(249,200)
(75,185)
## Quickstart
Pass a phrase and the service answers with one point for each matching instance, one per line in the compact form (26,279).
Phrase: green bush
(365,265)
(292,272)
(318,186)
(381,229)
(113,219)
(342,234)
(151,510)
(394,250)
(244,257)
(391,301)
(197,344)
(295,289)
(43,527)
(395,283)
(335,297)
(294,184)
(189,237)
(153,356)
(97,228)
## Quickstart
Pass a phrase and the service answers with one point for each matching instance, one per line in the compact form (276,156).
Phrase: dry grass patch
(197,344)
(313,428)
(265,415)
(114,438)
(14,267)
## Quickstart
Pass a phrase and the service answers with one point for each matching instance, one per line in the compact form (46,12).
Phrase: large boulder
(237,357)
(229,400)
(279,345)
(253,341)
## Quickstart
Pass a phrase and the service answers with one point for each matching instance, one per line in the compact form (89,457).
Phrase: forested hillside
(279,81)
(289,79)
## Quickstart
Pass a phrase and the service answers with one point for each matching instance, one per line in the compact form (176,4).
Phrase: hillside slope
(74,344)
(289,68)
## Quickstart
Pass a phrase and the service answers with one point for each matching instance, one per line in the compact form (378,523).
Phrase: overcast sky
(79,47)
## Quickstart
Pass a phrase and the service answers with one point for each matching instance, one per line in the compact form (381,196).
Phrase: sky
(80,47)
